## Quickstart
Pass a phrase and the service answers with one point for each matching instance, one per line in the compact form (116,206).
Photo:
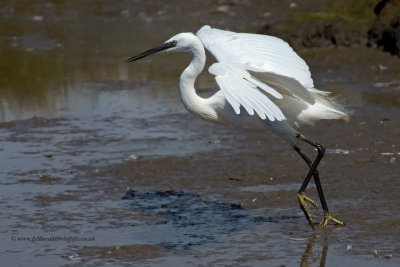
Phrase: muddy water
(101,164)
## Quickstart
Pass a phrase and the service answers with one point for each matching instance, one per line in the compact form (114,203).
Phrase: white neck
(195,104)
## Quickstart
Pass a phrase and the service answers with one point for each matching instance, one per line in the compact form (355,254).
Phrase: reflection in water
(309,258)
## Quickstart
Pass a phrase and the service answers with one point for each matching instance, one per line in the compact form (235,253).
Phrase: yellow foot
(303,199)
(328,218)
(309,200)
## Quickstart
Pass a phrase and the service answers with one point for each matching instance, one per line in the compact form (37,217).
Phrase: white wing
(251,61)
(240,88)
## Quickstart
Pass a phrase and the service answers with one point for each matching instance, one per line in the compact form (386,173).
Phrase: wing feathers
(240,88)
(264,52)
(285,85)
(251,64)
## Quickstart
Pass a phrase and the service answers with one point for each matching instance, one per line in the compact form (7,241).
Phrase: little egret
(263,84)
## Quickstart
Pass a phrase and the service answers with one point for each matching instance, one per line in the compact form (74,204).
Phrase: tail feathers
(333,105)
(325,107)
(319,92)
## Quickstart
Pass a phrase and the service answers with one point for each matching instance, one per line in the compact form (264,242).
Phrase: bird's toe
(303,205)
(328,218)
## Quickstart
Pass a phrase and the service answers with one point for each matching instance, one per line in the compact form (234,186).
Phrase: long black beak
(153,50)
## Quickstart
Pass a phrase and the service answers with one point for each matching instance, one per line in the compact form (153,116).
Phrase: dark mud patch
(186,217)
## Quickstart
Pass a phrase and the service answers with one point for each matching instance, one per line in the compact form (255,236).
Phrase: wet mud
(102,165)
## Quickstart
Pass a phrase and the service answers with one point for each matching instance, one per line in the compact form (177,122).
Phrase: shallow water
(102,165)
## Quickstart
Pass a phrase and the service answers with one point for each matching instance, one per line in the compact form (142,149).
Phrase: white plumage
(249,62)
(264,84)
(262,52)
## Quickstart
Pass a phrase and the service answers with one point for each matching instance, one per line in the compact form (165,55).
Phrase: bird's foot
(303,199)
(309,200)
(328,218)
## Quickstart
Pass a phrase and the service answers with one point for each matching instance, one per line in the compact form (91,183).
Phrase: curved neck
(196,66)
(194,103)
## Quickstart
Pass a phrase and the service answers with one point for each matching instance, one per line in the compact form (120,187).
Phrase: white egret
(264,84)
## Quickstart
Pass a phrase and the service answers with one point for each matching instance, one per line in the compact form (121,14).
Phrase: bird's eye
(174,43)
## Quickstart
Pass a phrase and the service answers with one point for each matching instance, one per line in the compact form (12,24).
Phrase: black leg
(309,163)
(313,172)
(301,195)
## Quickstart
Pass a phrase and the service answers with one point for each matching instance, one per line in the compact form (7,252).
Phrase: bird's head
(182,42)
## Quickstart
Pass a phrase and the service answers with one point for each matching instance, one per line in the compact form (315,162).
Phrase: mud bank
(342,23)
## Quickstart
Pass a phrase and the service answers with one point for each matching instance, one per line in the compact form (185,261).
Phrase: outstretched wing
(240,88)
(254,67)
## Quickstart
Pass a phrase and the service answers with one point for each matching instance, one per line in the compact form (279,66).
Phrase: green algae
(354,13)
